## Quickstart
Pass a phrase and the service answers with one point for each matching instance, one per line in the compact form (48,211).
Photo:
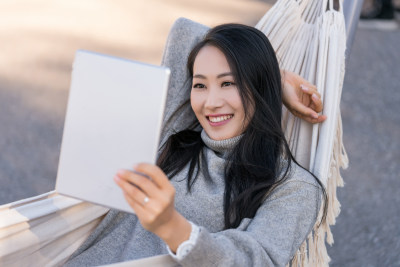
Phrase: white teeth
(220,118)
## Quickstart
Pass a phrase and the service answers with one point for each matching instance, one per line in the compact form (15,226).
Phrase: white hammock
(309,38)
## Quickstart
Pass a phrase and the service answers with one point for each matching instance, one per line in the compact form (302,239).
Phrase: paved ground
(37,44)
(367,232)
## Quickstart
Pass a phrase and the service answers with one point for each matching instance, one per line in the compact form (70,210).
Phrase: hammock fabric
(309,39)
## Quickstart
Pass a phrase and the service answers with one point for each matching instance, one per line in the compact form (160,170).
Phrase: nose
(214,99)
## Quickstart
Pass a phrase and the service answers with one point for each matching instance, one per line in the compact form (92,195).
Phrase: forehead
(210,61)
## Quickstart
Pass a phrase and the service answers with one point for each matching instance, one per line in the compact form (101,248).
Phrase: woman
(227,191)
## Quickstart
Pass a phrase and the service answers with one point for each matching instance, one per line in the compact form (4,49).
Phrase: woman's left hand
(151,195)
(301,98)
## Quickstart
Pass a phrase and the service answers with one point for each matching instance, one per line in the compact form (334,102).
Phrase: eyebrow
(219,76)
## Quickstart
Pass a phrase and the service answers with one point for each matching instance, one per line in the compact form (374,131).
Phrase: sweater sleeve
(271,238)
(178,114)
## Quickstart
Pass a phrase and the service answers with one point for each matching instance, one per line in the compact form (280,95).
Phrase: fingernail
(121,172)
(315,116)
(305,88)
(116,178)
(315,96)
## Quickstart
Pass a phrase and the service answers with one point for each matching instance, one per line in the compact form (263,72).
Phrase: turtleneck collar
(220,146)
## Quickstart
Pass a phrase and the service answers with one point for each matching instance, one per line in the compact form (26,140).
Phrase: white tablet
(113,121)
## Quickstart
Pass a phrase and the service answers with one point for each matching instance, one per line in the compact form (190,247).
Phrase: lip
(220,122)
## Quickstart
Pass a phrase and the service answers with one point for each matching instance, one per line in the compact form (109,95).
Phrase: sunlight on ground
(38,39)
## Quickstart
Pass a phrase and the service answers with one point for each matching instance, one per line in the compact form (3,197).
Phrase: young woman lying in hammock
(230,194)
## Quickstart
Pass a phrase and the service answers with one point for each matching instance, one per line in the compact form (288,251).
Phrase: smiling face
(214,97)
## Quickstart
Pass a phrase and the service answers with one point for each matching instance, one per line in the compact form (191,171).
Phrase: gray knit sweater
(271,238)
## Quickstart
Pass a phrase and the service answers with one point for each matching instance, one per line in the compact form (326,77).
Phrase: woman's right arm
(178,115)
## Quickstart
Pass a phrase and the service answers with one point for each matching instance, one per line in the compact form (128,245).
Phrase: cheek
(235,101)
(237,104)
(195,102)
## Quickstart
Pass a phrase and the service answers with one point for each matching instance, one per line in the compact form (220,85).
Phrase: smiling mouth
(219,118)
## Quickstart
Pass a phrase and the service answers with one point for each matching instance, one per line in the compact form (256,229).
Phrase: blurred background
(38,40)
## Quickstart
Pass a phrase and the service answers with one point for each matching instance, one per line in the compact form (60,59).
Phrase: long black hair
(261,159)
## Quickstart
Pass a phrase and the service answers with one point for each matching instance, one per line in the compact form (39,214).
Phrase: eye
(199,85)
(224,84)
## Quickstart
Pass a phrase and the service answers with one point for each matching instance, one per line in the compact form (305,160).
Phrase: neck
(220,146)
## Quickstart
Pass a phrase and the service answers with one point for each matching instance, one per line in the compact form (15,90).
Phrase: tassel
(300,259)
(317,252)
(303,253)
(311,249)
(295,260)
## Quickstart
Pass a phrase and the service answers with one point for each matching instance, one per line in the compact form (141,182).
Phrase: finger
(309,90)
(309,85)
(304,111)
(315,98)
(307,114)
(158,176)
(132,191)
(147,214)
(318,106)
(320,119)
(143,210)
(144,183)
(139,209)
